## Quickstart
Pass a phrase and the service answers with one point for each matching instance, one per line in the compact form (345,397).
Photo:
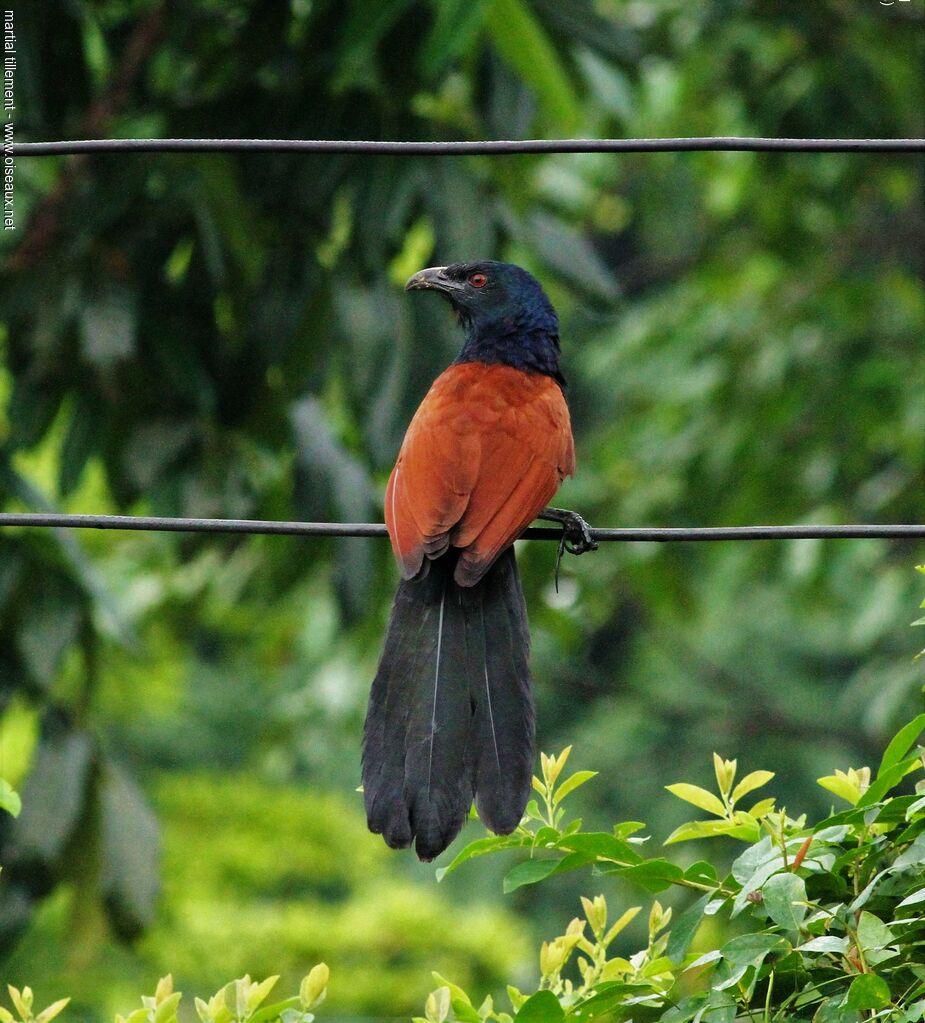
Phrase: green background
(226,335)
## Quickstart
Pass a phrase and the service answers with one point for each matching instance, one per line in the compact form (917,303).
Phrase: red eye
(478,280)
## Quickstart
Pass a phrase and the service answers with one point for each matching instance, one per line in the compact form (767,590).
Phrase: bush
(823,923)
(824,920)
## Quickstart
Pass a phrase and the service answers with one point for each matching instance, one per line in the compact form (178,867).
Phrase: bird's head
(490,297)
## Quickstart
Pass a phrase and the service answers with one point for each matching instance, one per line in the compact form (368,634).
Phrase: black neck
(531,350)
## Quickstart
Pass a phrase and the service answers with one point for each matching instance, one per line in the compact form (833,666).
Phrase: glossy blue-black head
(503,310)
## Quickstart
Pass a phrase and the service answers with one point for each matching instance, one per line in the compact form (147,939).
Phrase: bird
(450,718)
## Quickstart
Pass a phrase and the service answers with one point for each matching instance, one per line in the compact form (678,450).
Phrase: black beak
(434,278)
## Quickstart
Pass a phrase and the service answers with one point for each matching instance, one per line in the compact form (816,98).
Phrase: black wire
(727,143)
(657,534)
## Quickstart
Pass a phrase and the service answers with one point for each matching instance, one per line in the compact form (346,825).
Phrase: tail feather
(450,712)
(503,722)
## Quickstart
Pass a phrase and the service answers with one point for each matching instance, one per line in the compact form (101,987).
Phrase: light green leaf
(573,782)
(751,782)
(437,1006)
(9,799)
(699,797)
(49,1013)
(710,829)
(841,787)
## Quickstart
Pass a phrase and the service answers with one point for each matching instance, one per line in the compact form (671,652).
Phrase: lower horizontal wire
(264,526)
(718,143)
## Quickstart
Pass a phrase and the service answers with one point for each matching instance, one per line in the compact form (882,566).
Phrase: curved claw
(576,535)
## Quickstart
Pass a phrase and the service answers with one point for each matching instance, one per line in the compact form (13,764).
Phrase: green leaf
(653,875)
(523,45)
(50,1012)
(529,872)
(782,894)
(600,844)
(711,829)
(840,787)
(521,875)
(900,744)
(601,1005)
(868,991)
(483,846)
(274,1011)
(873,933)
(684,928)
(573,782)
(166,1012)
(751,782)
(890,778)
(543,1007)
(701,872)
(911,900)
(748,950)
(912,856)
(699,797)
(825,943)
(9,799)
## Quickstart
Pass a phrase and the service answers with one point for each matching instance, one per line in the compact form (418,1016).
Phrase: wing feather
(484,453)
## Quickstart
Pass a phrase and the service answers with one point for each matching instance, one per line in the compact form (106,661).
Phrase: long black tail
(450,713)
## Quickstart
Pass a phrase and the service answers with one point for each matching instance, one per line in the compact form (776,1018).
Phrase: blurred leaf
(53,796)
(9,800)
(130,877)
(570,254)
(107,326)
(455,26)
(521,41)
(50,625)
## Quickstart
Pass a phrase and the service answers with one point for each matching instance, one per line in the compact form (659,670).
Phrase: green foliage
(9,798)
(825,920)
(274,880)
(240,1001)
(23,1004)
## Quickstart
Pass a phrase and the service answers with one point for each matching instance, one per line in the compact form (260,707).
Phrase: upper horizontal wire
(726,143)
(377,529)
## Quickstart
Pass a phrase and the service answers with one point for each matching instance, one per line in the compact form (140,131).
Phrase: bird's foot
(576,533)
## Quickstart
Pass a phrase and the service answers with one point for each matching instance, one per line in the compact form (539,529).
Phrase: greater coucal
(450,713)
